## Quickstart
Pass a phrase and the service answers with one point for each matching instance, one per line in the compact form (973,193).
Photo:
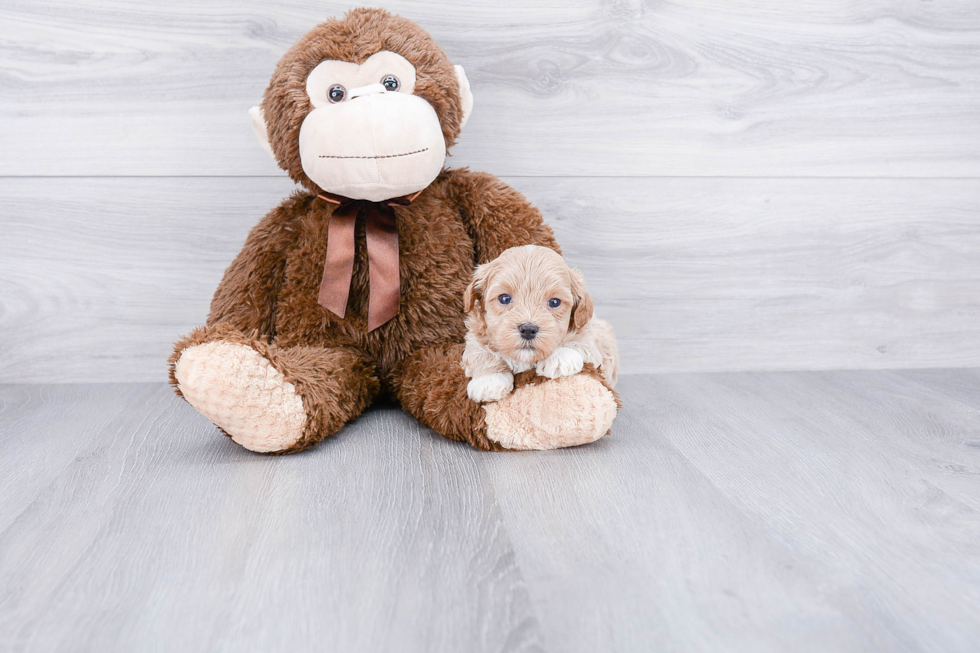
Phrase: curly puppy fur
(565,336)
(267,299)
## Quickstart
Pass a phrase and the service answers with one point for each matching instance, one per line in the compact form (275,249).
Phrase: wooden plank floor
(811,511)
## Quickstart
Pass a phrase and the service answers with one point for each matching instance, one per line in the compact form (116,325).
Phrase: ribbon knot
(381,234)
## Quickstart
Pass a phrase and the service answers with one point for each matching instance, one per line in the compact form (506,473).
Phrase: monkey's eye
(554,302)
(391,83)
(504,299)
(337,93)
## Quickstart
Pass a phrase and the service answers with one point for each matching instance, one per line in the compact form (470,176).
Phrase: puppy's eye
(391,83)
(504,299)
(554,302)
(337,93)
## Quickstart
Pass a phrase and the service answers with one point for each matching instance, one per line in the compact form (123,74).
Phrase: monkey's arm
(243,307)
(497,217)
(247,295)
(267,398)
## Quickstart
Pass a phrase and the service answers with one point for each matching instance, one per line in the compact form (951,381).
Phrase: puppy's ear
(582,309)
(474,291)
(476,320)
(473,294)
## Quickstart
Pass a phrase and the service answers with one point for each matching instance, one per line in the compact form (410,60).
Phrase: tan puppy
(527,310)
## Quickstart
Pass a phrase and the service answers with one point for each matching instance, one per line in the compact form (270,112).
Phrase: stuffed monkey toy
(353,286)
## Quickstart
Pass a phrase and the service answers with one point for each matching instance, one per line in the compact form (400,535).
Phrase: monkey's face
(368,137)
(364,106)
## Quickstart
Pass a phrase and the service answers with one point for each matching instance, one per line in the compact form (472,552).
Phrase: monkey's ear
(258,124)
(464,94)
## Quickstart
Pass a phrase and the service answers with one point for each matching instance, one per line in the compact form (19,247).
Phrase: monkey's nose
(528,330)
(366,90)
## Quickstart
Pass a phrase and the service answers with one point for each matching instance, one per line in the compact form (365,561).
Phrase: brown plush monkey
(354,285)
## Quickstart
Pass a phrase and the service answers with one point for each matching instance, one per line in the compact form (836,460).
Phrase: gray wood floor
(809,511)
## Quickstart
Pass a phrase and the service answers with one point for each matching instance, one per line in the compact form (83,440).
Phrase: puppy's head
(525,302)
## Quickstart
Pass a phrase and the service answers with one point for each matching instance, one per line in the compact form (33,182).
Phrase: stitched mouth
(380,156)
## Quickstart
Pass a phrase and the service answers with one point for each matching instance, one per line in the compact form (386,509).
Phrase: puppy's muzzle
(528,331)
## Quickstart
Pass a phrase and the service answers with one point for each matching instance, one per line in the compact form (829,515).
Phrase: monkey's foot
(564,412)
(240,391)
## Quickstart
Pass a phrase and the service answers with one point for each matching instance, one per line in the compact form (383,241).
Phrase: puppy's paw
(564,361)
(490,387)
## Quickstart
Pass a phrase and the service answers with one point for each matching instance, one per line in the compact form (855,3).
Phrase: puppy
(527,310)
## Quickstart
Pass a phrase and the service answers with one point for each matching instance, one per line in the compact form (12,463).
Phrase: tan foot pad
(240,391)
(564,412)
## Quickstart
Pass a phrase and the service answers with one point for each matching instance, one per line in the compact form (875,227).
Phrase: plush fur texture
(566,412)
(267,300)
(234,385)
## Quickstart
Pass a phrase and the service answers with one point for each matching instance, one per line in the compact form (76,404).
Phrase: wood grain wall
(746,184)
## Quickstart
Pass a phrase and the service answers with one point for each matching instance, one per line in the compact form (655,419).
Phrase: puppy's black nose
(528,331)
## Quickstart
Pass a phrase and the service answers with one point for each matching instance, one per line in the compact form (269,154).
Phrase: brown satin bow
(382,248)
